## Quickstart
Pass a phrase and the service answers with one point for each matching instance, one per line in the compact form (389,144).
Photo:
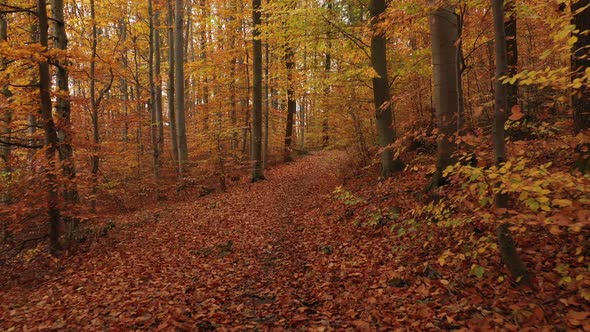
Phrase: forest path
(260,256)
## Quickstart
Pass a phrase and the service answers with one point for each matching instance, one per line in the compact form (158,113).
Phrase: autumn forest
(312,165)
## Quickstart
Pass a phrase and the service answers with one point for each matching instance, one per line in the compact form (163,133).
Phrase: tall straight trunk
(507,245)
(443,32)
(158,82)
(94,105)
(51,139)
(233,67)
(580,62)
(179,87)
(327,69)
(381,96)
(257,170)
(171,82)
(203,58)
(152,100)
(63,107)
(266,104)
(32,116)
(123,81)
(511,52)
(291,104)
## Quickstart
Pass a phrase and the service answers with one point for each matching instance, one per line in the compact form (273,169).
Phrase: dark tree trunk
(50,132)
(257,171)
(512,52)
(382,98)
(63,108)
(508,251)
(179,87)
(171,69)
(581,61)
(291,104)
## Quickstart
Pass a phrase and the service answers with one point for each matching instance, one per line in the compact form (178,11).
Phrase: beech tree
(381,94)
(51,140)
(179,86)
(257,170)
(507,245)
(443,32)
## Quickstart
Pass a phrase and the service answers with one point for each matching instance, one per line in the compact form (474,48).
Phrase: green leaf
(477,271)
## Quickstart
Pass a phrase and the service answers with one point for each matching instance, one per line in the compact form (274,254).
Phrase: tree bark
(95,160)
(63,108)
(171,82)
(511,52)
(507,245)
(179,87)
(581,61)
(382,98)
(152,102)
(291,104)
(443,33)
(257,170)
(51,139)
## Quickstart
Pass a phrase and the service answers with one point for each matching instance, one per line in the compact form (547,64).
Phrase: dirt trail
(257,257)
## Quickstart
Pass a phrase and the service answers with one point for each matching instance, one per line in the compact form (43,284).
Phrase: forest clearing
(313,165)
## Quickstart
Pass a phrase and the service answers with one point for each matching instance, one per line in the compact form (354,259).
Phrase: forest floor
(280,254)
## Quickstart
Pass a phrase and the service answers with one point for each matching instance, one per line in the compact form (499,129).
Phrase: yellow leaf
(561,202)
(554,230)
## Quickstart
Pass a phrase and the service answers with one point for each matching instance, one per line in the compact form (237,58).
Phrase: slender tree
(171,83)
(179,87)
(257,169)
(291,103)
(510,28)
(381,95)
(51,139)
(507,245)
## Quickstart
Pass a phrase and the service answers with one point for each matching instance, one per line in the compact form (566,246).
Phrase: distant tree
(179,86)
(257,170)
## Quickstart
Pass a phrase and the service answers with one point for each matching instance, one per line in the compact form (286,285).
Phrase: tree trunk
(291,104)
(257,170)
(382,99)
(265,148)
(51,139)
(152,101)
(507,245)
(63,107)
(123,81)
(95,160)
(511,52)
(171,82)
(158,83)
(580,62)
(179,87)
(443,33)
